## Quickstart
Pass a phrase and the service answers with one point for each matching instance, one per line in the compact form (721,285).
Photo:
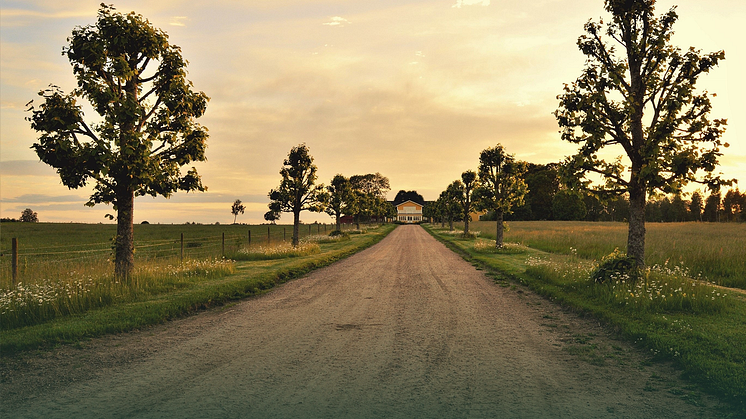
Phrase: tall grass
(75,290)
(713,250)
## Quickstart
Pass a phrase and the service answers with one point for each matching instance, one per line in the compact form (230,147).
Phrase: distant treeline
(548,199)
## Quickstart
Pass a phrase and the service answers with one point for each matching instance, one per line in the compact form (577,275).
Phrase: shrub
(615,266)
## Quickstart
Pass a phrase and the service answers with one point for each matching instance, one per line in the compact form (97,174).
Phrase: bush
(615,266)
(338,233)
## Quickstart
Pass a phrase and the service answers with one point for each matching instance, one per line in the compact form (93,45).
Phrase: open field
(698,327)
(64,299)
(714,250)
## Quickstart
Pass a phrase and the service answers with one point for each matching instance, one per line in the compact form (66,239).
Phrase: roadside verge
(709,348)
(251,278)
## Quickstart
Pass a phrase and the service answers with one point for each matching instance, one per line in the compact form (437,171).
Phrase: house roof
(409,200)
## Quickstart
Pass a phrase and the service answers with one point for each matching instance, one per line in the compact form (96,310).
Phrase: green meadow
(716,251)
(678,310)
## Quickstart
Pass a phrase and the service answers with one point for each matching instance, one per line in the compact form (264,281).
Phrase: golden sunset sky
(411,89)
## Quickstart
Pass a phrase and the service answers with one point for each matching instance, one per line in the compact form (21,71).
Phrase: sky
(412,89)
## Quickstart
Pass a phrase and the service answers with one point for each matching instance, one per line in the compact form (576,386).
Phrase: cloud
(26,168)
(40,198)
(178,21)
(336,21)
(460,3)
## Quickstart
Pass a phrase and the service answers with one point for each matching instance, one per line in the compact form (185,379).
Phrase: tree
(542,181)
(370,196)
(695,206)
(271,216)
(297,191)
(341,198)
(450,202)
(712,207)
(136,81)
(643,99)
(468,182)
(501,185)
(236,209)
(568,206)
(29,216)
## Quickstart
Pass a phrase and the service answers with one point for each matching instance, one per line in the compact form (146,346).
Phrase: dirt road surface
(404,329)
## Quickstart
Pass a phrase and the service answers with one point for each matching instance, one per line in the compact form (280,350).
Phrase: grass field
(717,251)
(62,296)
(698,326)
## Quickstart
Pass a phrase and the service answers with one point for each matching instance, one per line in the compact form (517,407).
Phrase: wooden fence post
(309,229)
(14,259)
(268,240)
(222,245)
(181,252)
(284,237)
(249,237)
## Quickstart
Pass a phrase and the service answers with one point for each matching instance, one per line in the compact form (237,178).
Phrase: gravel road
(404,329)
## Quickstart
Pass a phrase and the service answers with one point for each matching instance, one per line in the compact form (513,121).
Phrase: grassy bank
(250,278)
(699,327)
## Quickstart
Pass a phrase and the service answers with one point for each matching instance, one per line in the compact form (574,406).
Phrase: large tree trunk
(450,223)
(636,236)
(296,228)
(339,223)
(499,232)
(125,242)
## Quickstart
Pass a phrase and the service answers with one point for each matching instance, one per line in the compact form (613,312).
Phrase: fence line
(173,248)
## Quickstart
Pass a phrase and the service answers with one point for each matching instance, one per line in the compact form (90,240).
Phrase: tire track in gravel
(404,329)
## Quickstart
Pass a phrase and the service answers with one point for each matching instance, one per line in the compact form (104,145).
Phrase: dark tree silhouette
(29,216)
(237,208)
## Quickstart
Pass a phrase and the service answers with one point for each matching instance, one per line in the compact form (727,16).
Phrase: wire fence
(19,262)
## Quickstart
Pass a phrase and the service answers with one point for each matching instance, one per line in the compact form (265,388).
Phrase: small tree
(341,198)
(271,216)
(236,209)
(641,98)
(501,185)
(696,206)
(469,182)
(29,216)
(450,203)
(147,131)
(298,190)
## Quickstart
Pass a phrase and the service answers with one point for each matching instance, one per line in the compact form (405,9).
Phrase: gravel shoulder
(404,329)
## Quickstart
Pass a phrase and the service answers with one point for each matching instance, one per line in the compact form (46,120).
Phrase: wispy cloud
(461,3)
(178,21)
(336,21)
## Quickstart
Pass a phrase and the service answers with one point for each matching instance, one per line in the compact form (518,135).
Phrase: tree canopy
(637,92)
(136,81)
